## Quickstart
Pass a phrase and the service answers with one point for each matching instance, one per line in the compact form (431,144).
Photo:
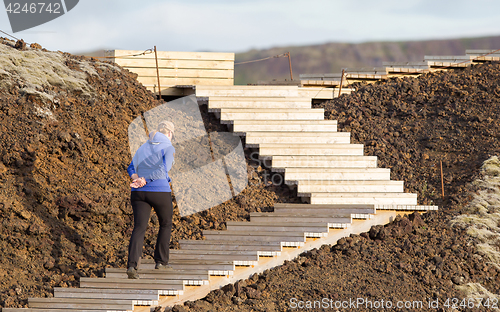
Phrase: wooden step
(216,103)
(203,256)
(230,115)
(248,91)
(290,239)
(210,265)
(324,162)
(333,174)
(448,60)
(105,293)
(166,287)
(364,198)
(484,55)
(354,211)
(254,139)
(266,150)
(407,207)
(57,310)
(319,229)
(189,277)
(240,258)
(407,65)
(72,303)
(243,126)
(269,249)
(307,187)
(332,220)
(319,93)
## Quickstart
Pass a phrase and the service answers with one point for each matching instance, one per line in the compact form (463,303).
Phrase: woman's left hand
(138,183)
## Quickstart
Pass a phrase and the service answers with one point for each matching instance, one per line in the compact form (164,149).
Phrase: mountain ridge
(332,57)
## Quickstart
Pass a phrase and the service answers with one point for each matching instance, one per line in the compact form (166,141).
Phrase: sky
(241,25)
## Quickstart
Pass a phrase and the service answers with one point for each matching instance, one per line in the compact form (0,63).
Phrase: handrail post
(290,65)
(341,82)
(158,75)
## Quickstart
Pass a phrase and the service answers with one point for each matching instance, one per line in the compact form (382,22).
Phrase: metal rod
(290,64)
(158,75)
(341,82)
(442,180)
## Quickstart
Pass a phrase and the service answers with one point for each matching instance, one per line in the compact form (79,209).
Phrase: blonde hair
(166,126)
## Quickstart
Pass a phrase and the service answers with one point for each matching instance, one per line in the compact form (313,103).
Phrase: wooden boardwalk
(343,190)
(399,69)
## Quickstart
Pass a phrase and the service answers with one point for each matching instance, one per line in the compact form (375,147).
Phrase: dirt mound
(411,124)
(64,194)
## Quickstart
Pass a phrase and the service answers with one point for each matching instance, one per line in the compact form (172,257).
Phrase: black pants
(141,205)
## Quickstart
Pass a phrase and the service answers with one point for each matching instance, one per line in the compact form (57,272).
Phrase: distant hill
(332,57)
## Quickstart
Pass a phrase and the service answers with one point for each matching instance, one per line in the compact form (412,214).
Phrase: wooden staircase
(343,190)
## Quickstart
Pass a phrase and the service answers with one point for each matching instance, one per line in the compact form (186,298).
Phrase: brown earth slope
(64,194)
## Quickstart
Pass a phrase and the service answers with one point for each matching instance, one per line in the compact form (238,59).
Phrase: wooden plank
(316,212)
(364,198)
(170,90)
(320,76)
(184,73)
(198,245)
(252,236)
(255,140)
(69,303)
(301,218)
(211,265)
(131,283)
(185,81)
(176,273)
(316,92)
(447,58)
(267,150)
(325,161)
(212,252)
(228,99)
(61,290)
(317,186)
(407,207)
(103,293)
(263,134)
(185,64)
(286,122)
(278,226)
(192,277)
(248,91)
(178,55)
(322,209)
(55,310)
(337,174)
(229,256)
(246,88)
(217,105)
(274,110)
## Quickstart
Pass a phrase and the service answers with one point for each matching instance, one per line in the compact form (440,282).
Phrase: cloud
(224,25)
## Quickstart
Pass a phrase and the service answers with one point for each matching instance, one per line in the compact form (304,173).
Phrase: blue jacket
(153,160)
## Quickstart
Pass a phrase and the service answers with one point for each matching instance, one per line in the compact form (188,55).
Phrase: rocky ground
(65,199)
(64,194)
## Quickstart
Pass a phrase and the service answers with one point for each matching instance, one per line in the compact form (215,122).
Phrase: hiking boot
(132,273)
(160,266)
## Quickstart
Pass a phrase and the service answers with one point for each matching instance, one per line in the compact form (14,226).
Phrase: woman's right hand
(138,183)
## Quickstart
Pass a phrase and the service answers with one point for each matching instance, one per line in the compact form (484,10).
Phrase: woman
(150,188)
